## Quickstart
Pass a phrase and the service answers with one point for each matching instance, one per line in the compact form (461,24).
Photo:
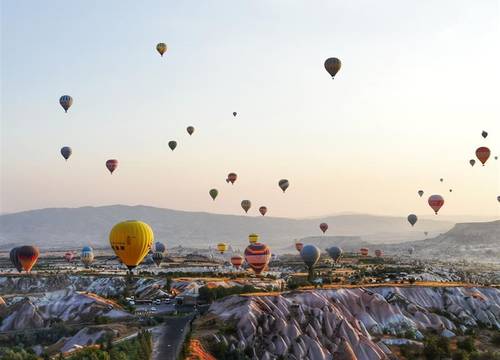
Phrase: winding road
(168,339)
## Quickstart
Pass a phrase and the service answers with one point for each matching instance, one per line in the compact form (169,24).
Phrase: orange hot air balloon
(363,251)
(299,246)
(323,227)
(263,210)
(483,153)
(257,256)
(231,177)
(28,255)
(435,202)
(112,164)
(379,253)
(236,261)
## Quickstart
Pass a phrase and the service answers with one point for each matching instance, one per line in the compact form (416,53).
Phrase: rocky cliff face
(59,306)
(349,323)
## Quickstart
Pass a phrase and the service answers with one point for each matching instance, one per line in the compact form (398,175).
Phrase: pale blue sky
(419,82)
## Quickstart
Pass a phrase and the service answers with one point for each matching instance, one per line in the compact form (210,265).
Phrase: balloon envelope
(213,193)
(131,241)
(472,162)
(484,134)
(483,153)
(158,247)
(283,184)
(379,253)
(232,177)
(335,253)
(236,261)
(253,238)
(412,219)
(299,246)
(323,227)
(66,101)
(157,257)
(222,247)
(263,210)
(435,202)
(420,192)
(257,256)
(364,251)
(87,256)
(190,130)
(332,65)
(69,256)
(66,152)
(28,255)
(161,48)
(310,255)
(172,145)
(235,113)
(112,164)
(246,205)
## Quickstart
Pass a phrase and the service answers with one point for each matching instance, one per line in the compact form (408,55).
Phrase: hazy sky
(419,82)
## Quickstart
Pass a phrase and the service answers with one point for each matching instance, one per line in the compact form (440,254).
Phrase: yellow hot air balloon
(131,240)
(253,238)
(222,247)
(161,48)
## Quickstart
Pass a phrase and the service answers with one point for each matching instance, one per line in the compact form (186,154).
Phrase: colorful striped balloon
(257,256)
(236,261)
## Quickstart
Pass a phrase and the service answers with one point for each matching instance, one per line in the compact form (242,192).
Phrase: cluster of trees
(438,348)
(219,292)
(139,348)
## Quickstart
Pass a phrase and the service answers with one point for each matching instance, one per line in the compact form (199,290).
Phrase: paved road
(160,309)
(168,339)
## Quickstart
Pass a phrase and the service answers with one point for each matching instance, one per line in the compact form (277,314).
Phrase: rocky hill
(469,241)
(354,324)
(64,228)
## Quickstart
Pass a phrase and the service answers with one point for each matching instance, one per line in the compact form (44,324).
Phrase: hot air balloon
(451,190)
(323,227)
(483,153)
(236,261)
(263,210)
(363,251)
(66,101)
(379,253)
(257,256)
(441,179)
(213,193)
(131,240)
(412,219)
(172,145)
(410,250)
(335,253)
(332,65)
(112,164)
(157,257)
(158,247)
(87,256)
(310,255)
(66,152)
(28,255)
(246,205)
(253,238)
(283,184)
(190,130)
(15,260)
(231,177)
(161,48)
(472,162)
(69,256)
(299,246)
(235,113)
(435,202)
(420,192)
(496,157)
(498,198)
(222,247)
(484,134)
(426,232)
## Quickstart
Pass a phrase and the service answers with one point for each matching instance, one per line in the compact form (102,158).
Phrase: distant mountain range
(63,228)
